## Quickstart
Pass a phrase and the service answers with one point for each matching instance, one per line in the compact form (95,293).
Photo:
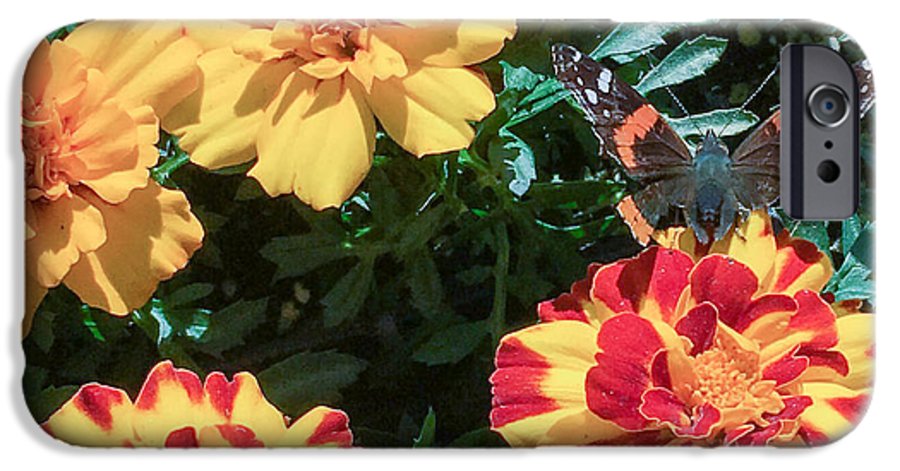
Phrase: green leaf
(347,296)
(42,329)
(307,379)
(228,327)
(517,160)
(728,122)
(426,434)
(519,78)
(452,344)
(188,294)
(690,59)
(852,281)
(43,400)
(298,255)
(862,246)
(424,284)
(628,40)
(543,97)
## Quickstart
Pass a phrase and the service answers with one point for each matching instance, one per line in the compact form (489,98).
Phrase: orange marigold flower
(718,347)
(303,97)
(174,409)
(95,220)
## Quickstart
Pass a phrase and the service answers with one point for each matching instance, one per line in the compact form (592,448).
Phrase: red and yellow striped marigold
(729,344)
(174,409)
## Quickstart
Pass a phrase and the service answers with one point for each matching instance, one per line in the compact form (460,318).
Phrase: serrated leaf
(228,327)
(517,160)
(690,59)
(452,344)
(862,246)
(424,284)
(188,294)
(298,255)
(626,40)
(519,78)
(307,379)
(426,433)
(42,329)
(852,281)
(347,296)
(724,123)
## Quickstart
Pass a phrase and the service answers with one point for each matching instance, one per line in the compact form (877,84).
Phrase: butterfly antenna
(678,102)
(750,98)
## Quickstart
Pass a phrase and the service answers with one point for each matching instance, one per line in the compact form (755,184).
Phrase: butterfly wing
(756,165)
(627,126)
(866,84)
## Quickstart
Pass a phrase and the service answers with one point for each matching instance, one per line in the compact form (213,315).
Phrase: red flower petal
(726,283)
(656,274)
(699,325)
(664,406)
(762,306)
(183,438)
(785,369)
(815,316)
(614,387)
(516,384)
(570,306)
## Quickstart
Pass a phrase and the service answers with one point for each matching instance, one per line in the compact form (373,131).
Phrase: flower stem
(497,319)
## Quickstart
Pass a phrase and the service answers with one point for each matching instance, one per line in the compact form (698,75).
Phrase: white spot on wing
(603,80)
(591,96)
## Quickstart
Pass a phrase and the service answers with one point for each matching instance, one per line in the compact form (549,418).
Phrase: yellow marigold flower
(95,220)
(719,345)
(174,409)
(303,97)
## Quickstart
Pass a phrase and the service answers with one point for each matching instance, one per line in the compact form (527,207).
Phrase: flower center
(46,143)
(335,39)
(725,377)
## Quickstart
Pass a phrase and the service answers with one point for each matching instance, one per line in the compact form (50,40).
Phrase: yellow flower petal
(65,228)
(218,124)
(255,45)
(147,62)
(317,141)
(96,415)
(538,388)
(753,243)
(856,337)
(321,426)
(428,111)
(449,43)
(835,411)
(150,236)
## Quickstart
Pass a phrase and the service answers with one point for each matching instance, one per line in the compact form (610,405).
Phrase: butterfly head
(711,145)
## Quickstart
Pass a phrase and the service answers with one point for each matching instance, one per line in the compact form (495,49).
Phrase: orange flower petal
(123,173)
(64,229)
(219,123)
(317,141)
(428,111)
(150,236)
(449,43)
(146,62)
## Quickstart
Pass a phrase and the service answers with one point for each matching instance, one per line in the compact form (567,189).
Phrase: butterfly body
(708,188)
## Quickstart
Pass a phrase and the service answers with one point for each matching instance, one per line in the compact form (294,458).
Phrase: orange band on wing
(634,129)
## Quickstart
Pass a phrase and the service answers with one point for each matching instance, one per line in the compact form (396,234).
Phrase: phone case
(432,234)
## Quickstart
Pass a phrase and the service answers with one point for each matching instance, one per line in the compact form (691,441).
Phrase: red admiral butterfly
(709,188)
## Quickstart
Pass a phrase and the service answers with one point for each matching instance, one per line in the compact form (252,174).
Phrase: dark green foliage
(392,305)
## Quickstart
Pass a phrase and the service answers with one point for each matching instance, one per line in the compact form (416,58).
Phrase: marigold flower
(174,409)
(719,347)
(95,220)
(303,97)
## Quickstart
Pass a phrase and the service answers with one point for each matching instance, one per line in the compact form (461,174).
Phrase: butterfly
(709,188)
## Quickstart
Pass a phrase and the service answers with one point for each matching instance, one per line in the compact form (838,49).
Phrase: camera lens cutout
(828,105)
(828,171)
